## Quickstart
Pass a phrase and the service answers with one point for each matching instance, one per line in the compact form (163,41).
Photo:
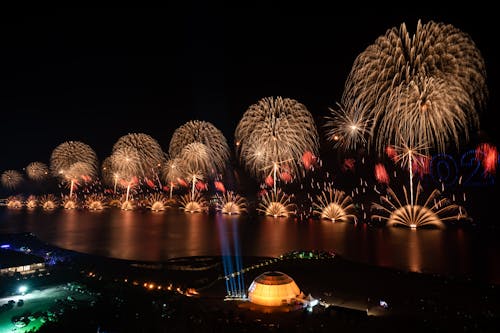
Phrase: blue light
(5,246)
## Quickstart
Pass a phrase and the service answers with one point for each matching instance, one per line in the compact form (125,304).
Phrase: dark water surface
(161,236)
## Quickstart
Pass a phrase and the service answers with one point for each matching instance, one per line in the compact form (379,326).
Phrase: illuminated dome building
(273,289)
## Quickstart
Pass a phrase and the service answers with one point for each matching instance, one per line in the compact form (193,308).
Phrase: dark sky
(94,75)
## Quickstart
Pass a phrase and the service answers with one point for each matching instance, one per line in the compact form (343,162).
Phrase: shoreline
(352,289)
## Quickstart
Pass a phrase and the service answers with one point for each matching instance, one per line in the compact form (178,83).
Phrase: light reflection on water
(161,236)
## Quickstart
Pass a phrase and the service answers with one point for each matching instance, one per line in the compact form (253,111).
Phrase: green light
(22,289)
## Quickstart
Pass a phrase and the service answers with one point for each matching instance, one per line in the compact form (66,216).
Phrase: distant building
(12,262)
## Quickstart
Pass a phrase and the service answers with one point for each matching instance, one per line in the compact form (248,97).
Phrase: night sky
(94,75)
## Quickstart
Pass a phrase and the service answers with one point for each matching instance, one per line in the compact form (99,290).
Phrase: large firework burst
(335,206)
(433,212)
(231,203)
(11,179)
(202,132)
(68,153)
(144,151)
(276,204)
(275,130)
(422,88)
(37,171)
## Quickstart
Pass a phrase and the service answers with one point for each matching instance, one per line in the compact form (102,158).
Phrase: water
(161,236)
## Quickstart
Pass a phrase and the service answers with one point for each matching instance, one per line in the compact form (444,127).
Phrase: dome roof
(273,289)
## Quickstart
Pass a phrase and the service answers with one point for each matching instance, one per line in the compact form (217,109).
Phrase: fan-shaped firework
(146,153)
(48,202)
(231,203)
(157,202)
(127,205)
(95,202)
(422,88)
(11,179)
(433,212)
(335,206)
(31,202)
(276,204)
(37,171)
(68,153)
(14,202)
(203,132)
(347,128)
(275,130)
(193,203)
(69,203)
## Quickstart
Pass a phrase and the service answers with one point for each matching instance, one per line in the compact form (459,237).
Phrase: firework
(231,203)
(31,202)
(488,155)
(193,203)
(381,174)
(422,88)
(108,175)
(171,172)
(202,132)
(11,179)
(196,162)
(126,162)
(95,202)
(157,202)
(144,151)
(68,153)
(275,130)
(127,205)
(335,206)
(37,171)
(347,128)
(48,202)
(276,204)
(14,202)
(69,203)
(433,212)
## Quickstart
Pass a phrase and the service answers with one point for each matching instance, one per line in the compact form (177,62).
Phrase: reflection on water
(158,237)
